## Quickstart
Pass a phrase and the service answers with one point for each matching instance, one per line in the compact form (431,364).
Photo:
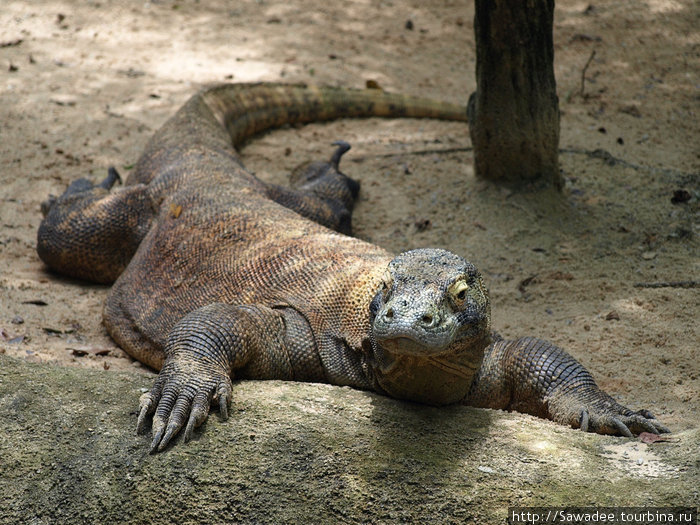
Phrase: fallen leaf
(581,37)
(63,100)
(526,282)
(82,351)
(648,437)
(680,196)
(11,43)
(131,72)
(561,276)
(423,224)
(631,110)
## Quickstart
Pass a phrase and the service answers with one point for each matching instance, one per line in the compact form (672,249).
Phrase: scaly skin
(218,275)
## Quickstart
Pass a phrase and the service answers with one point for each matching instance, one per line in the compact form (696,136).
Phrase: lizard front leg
(536,377)
(211,345)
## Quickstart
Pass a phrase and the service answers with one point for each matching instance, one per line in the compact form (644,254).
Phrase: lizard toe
(178,416)
(147,405)
(158,428)
(181,398)
(584,420)
(621,428)
(199,413)
(644,421)
(224,394)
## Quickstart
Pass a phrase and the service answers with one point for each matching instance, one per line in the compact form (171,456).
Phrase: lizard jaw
(404,345)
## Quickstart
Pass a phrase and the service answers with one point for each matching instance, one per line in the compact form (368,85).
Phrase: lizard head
(431,303)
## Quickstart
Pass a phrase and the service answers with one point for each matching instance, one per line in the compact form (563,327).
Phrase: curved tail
(247,109)
(228,114)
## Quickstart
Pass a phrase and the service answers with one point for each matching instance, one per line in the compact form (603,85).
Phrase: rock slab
(295,453)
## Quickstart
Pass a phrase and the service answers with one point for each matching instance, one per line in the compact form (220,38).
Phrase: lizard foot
(79,186)
(593,410)
(325,178)
(620,421)
(181,396)
(343,148)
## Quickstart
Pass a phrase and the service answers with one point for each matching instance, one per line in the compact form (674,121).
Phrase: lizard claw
(112,177)
(619,421)
(583,420)
(181,397)
(621,428)
(199,413)
(146,408)
(343,148)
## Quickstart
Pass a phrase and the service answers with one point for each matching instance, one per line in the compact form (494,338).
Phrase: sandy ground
(84,84)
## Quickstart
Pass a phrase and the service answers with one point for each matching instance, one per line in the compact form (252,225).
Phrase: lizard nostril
(427,319)
(389,313)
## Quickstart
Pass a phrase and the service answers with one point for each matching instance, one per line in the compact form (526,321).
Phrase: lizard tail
(228,114)
(246,109)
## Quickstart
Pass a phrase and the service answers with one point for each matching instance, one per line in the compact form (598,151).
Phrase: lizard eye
(458,291)
(386,282)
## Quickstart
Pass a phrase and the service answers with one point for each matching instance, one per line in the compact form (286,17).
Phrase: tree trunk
(514,113)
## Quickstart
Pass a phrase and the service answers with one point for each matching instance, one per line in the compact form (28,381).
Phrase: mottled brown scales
(218,275)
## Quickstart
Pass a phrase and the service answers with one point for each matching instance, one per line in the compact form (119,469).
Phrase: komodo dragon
(218,275)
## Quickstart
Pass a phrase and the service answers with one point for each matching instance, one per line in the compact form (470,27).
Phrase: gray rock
(295,453)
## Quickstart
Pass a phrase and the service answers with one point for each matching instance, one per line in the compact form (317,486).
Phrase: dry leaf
(648,437)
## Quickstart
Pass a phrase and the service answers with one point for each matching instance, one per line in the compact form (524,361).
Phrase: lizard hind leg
(321,192)
(89,232)
(325,180)
(81,185)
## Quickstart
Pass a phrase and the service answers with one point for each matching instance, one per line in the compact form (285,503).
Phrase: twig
(669,284)
(583,73)
(612,160)
(437,151)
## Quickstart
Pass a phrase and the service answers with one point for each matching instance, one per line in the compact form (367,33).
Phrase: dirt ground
(608,269)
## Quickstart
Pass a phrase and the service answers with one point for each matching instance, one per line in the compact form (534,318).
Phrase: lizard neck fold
(435,380)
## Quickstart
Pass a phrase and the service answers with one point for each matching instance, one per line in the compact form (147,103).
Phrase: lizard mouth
(403,345)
